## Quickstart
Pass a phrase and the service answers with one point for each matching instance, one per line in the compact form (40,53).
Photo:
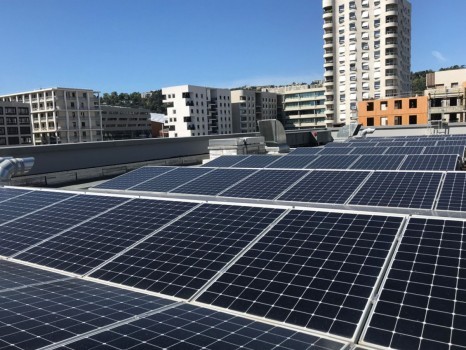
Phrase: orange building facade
(394,111)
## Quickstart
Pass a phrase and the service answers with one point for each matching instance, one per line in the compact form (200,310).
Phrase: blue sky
(141,45)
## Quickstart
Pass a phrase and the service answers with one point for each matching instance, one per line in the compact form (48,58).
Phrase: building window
(398,120)
(413,119)
(370,106)
(413,103)
(10,110)
(370,121)
(398,104)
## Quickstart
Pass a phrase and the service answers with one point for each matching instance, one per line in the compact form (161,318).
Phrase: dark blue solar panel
(421,143)
(7,193)
(422,304)
(171,180)
(391,144)
(28,203)
(333,162)
(337,150)
(292,162)
(368,150)
(266,184)
(378,162)
(322,186)
(445,150)
(20,234)
(37,316)
(225,161)
(215,182)
(191,327)
(451,143)
(185,255)
(86,246)
(453,193)
(256,161)
(405,150)
(312,269)
(305,150)
(338,144)
(134,178)
(399,189)
(430,162)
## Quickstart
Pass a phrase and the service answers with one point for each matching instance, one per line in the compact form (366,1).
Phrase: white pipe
(14,166)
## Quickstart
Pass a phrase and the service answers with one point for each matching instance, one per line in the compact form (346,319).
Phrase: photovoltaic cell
(256,161)
(325,187)
(423,300)
(333,162)
(451,143)
(305,150)
(173,179)
(368,150)
(337,150)
(34,200)
(421,143)
(7,193)
(445,150)
(215,181)
(399,189)
(266,184)
(430,162)
(182,257)
(225,161)
(134,178)
(453,193)
(20,234)
(378,162)
(391,143)
(41,315)
(292,162)
(86,246)
(338,144)
(13,275)
(312,269)
(191,327)
(404,150)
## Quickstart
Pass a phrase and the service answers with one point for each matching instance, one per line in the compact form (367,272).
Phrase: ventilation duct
(14,166)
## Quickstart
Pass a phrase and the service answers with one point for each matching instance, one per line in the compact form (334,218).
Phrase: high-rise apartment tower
(367,53)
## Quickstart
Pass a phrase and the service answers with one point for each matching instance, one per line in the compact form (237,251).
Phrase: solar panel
(225,161)
(451,143)
(173,179)
(28,203)
(312,269)
(256,161)
(336,150)
(405,150)
(134,177)
(292,162)
(84,247)
(215,181)
(423,303)
(338,144)
(421,143)
(430,162)
(333,162)
(191,327)
(266,184)
(391,143)
(322,186)
(399,189)
(8,193)
(368,150)
(445,150)
(453,193)
(182,257)
(14,276)
(20,234)
(37,316)
(378,162)
(305,150)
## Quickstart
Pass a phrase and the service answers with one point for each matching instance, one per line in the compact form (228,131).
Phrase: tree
(153,102)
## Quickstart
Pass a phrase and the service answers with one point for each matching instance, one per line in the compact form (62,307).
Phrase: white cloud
(438,55)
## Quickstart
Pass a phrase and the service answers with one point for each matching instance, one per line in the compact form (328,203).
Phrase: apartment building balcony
(328,23)
(328,13)
(328,73)
(445,92)
(447,109)
(328,35)
(328,44)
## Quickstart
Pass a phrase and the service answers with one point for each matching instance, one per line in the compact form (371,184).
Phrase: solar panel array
(125,272)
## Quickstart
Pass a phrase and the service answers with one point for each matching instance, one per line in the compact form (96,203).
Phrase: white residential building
(367,53)
(197,111)
(250,106)
(62,115)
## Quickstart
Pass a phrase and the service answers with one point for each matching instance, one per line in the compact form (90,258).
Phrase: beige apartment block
(446,92)
(250,106)
(302,106)
(197,111)
(62,115)
(367,53)
(122,123)
(15,124)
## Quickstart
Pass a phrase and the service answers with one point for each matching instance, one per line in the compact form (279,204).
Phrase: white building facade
(62,115)
(250,106)
(197,111)
(367,53)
